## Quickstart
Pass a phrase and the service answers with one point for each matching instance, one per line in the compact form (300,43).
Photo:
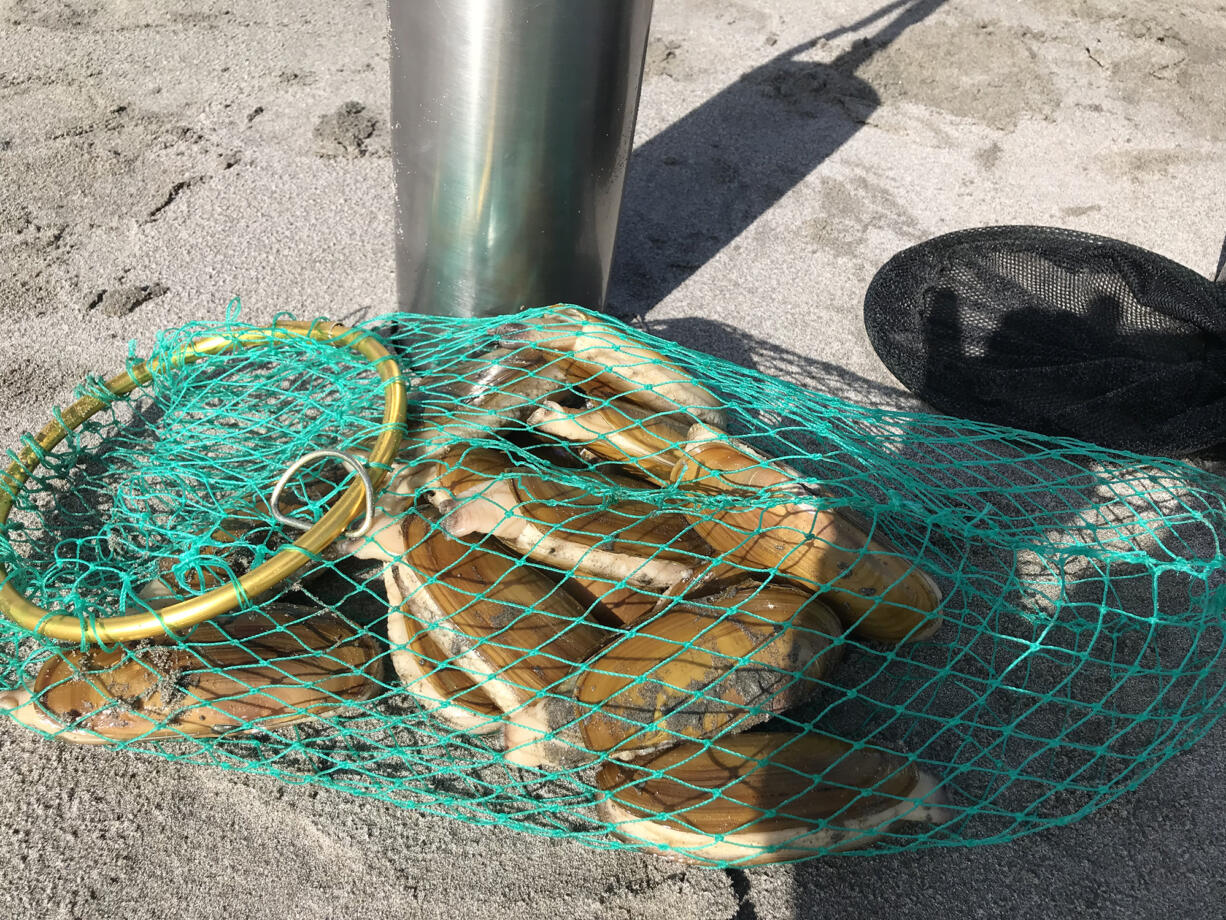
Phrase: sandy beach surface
(159,158)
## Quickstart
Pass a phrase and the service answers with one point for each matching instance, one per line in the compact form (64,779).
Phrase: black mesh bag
(1058,332)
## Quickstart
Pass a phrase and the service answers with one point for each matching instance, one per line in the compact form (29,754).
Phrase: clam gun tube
(512,123)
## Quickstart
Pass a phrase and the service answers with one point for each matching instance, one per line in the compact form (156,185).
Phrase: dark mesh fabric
(1058,332)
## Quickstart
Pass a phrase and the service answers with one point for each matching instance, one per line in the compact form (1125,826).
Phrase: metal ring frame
(184,614)
(274,500)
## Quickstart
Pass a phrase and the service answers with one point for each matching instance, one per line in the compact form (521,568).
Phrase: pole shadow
(697,185)
(730,343)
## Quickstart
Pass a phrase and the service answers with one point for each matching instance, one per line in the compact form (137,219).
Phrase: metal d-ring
(274,500)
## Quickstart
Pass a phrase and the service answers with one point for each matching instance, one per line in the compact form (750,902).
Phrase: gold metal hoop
(128,627)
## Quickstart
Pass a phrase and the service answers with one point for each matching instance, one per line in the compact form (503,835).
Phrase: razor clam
(694,671)
(630,522)
(614,605)
(716,462)
(446,692)
(476,398)
(605,358)
(705,668)
(646,442)
(610,604)
(625,542)
(636,526)
(877,592)
(506,624)
(483,394)
(282,665)
(449,470)
(761,798)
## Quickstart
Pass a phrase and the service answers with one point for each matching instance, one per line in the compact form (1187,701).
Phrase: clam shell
(604,358)
(503,621)
(495,508)
(698,672)
(609,604)
(447,692)
(762,798)
(612,604)
(545,733)
(637,438)
(877,592)
(629,526)
(717,462)
(478,396)
(261,669)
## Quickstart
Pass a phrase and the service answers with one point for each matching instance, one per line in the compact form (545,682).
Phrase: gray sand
(158,158)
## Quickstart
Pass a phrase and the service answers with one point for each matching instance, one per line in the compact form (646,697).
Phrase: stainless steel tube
(512,123)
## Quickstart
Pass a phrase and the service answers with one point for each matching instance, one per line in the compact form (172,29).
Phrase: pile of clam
(585,571)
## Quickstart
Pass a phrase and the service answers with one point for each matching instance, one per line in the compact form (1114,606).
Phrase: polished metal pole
(512,123)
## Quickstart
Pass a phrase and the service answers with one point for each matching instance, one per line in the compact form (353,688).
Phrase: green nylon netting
(580,645)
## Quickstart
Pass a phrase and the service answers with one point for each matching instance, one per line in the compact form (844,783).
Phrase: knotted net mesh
(1058,332)
(614,590)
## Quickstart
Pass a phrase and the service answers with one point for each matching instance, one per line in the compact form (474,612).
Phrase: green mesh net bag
(550,573)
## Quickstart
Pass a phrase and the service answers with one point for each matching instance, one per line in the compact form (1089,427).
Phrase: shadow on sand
(698,184)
